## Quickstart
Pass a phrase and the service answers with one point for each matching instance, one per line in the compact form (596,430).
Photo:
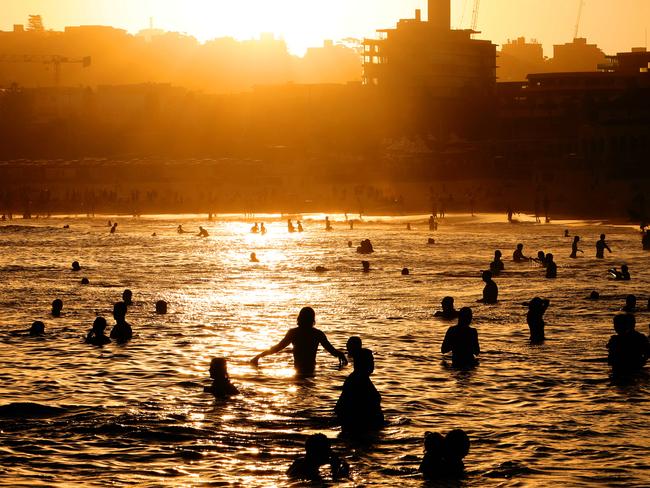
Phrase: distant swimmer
(328,224)
(262,228)
(518,255)
(406,272)
(497,266)
(321,269)
(645,240)
(66,226)
(76,266)
(122,331)
(629,349)
(57,306)
(180,229)
(37,329)
(305,340)
(349,243)
(443,456)
(601,245)
(254,258)
(431,241)
(221,386)
(161,307)
(491,290)
(462,341)
(85,281)
(300,229)
(365,247)
(255,229)
(630,304)
(408,226)
(623,274)
(351,224)
(366,266)
(290,228)
(127,297)
(541,258)
(318,452)
(114,228)
(110,224)
(448,311)
(433,225)
(96,336)
(574,247)
(566,233)
(594,295)
(551,266)
(202,232)
(535,318)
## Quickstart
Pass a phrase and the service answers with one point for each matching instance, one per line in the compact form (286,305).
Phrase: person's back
(535,319)
(462,341)
(491,290)
(551,267)
(629,350)
(601,245)
(122,331)
(96,335)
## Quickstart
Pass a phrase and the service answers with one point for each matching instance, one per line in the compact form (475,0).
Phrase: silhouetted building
(576,56)
(634,62)
(519,58)
(430,56)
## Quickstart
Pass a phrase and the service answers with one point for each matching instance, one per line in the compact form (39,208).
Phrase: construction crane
(477,6)
(581,6)
(54,60)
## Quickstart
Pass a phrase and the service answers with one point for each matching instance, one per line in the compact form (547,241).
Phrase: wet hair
(85,281)
(76,266)
(37,328)
(161,307)
(433,442)
(465,315)
(119,309)
(457,444)
(447,302)
(220,367)
(594,295)
(405,272)
(306,317)
(100,323)
(318,446)
(487,275)
(354,344)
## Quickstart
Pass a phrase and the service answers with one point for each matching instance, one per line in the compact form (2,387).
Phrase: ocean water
(74,414)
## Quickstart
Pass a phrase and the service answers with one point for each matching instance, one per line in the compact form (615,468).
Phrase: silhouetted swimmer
(349,243)
(114,228)
(645,240)
(518,255)
(221,385)
(408,226)
(85,281)
(622,275)
(594,295)
(601,245)
(431,241)
(305,340)
(321,269)
(66,226)
(127,297)
(535,319)
(97,336)
(497,266)
(630,304)
(491,290)
(462,341)
(110,224)
(255,229)
(433,225)
(366,266)
(358,409)
(300,229)
(574,247)
(541,258)
(121,331)
(37,329)
(405,272)
(566,233)
(76,266)
(443,457)
(365,247)
(180,229)
(318,452)
(253,258)
(161,307)
(57,306)
(290,227)
(328,224)
(628,349)
(448,311)
(262,228)
(551,266)
(202,232)
(351,224)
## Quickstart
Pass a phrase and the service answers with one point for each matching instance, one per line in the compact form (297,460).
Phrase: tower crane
(581,6)
(54,60)
(477,6)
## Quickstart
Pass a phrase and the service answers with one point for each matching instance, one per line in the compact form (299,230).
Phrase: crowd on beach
(358,410)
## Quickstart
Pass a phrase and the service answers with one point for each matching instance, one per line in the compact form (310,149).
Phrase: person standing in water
(601,245)
(114,228)
(122,331)
(305,340)
(574,248)
(328,224)
(551,266)
(491,290)
(497,266)
(462,341)
(535,319)
(518,255)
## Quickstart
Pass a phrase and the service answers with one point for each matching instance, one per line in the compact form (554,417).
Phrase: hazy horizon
(550,22)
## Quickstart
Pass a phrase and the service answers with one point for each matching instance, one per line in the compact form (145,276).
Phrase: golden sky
(616,25)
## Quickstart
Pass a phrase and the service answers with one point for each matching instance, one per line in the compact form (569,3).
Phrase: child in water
(221,385)
(535,318)
(443,457)
(623,274)
(448,311)
(318,452)
(96,335)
